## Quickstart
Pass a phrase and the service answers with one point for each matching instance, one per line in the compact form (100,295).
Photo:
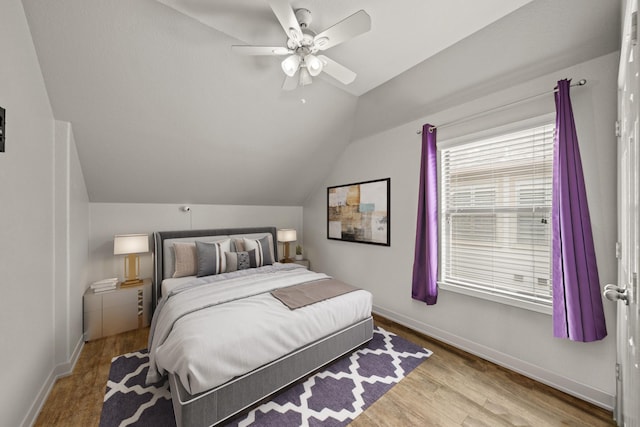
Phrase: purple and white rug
(332,397)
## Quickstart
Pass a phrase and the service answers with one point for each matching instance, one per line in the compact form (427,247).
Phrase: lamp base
(286,258)
(131,271)
(131,282)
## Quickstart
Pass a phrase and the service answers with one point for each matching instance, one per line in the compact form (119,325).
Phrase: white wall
(78,248)
(26,222)
(514,337)
(43,223)
(108,219)
(71,247)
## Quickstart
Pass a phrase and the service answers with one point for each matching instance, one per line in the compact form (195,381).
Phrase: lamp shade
(124,244)
(290,65)
(287,235)
(305,77)
(314,64)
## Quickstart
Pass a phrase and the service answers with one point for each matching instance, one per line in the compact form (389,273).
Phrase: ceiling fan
(302,61)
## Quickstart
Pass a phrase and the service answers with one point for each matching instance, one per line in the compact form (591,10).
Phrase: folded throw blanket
(311,292)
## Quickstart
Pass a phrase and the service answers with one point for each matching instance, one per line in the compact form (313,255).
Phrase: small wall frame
(360,212)
(2,129)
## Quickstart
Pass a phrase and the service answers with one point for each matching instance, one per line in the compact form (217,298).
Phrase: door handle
(616,293)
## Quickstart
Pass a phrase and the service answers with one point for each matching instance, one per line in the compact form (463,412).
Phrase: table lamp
(131,245)
(285,236)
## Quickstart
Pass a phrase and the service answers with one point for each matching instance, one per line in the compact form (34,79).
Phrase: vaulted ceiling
(164,112)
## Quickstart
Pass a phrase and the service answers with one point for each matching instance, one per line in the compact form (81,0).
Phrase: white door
(627,411)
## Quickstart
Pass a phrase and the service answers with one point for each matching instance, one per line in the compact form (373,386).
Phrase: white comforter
(215,328)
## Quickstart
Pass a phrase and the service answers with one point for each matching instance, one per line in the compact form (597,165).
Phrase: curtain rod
(581,82)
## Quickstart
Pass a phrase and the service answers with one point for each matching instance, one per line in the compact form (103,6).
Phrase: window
(495,207)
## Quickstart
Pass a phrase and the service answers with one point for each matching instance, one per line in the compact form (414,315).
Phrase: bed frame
(219,404)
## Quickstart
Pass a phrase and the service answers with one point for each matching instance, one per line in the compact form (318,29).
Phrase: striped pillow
(264,256)
(211,259)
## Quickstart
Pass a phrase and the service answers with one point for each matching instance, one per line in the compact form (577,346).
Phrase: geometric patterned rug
(332,397)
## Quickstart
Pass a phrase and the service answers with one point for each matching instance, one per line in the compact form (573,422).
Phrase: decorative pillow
(262,247)
(239,245)
(241,260)
(186,259)
(211,259)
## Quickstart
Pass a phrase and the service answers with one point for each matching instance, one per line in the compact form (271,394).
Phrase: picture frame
(360,212)
(2,129)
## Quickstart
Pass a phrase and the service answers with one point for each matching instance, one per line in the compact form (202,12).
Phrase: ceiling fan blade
(261,50)
(337,71)
(290,83)
(354,25)
(283,11)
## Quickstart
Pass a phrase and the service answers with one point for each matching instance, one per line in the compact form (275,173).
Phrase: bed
(228,340)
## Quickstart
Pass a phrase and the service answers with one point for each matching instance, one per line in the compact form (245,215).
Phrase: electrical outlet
(2,130)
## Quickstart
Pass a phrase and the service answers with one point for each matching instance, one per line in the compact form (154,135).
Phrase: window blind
(495,207)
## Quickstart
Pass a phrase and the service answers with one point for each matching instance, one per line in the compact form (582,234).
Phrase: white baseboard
(64,369)
(567,385)
(59,371)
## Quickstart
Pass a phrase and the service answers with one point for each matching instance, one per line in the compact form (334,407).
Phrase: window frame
(469,138)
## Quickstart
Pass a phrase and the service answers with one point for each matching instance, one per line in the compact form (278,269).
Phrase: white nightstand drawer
(123,296)
(92,302)
(119,318)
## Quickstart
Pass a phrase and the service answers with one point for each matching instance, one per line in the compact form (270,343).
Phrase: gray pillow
(241,260)
(262,248)
(211,258)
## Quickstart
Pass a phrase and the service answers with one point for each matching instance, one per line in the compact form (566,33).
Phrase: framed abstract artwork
(360,212)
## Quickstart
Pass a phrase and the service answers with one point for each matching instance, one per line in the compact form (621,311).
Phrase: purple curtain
(577,302)
(425,263)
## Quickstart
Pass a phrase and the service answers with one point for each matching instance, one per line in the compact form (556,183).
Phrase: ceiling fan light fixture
(291,64)
(301,58)
(305,77)
(314,64)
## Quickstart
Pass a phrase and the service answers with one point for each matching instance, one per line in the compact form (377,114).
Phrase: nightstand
(304,262)
(119,310)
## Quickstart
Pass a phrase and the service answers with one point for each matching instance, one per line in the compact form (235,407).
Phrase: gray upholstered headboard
(158,247)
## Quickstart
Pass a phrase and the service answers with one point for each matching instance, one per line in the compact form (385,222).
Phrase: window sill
(501,299)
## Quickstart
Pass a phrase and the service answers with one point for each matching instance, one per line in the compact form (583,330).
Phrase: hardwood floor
(451,388)
(454,388)
(76,400)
